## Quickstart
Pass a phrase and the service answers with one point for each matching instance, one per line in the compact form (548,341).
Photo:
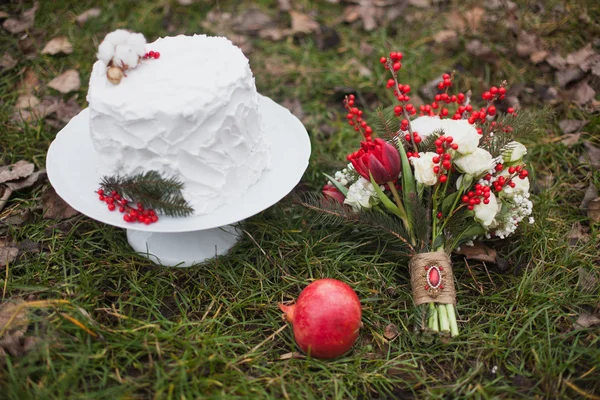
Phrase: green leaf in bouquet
(449,202)
(338,185)
(389,204)
(475,229)
(408,179)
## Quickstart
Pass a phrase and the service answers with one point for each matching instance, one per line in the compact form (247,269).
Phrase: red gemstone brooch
(434,277)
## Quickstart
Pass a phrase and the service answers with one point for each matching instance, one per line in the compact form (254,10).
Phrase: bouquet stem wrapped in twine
(445,294)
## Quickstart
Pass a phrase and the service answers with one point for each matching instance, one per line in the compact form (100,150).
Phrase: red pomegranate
(326,318)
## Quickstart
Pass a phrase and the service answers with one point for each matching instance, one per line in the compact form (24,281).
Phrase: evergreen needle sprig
(152,190)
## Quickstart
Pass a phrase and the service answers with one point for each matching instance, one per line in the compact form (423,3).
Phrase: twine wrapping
(422,292)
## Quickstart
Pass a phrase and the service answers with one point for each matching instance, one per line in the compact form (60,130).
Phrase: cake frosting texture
(193,113)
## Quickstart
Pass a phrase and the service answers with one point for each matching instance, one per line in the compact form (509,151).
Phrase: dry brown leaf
(590,194)
(284,5)
(456,22)
(390,331)
(351,14)
(30,81)
(8,254)
(58,45)
(592,155)
(556,61)
(303,23)
(581,93)
(578,234)
(7,61)
(586,321)
(571,139)
(288,356)
(581,55)
(295,107)
(48,105)
(26,100)
(24,183)
(67,110)
(14,25)
(446,37)
(571,125)
(367,13)
(18,170)
(479,252)
(252,21)
(568,75)
(273,33)
(527,44)
(66,82)
(473,18)
(592,65)
(478,49)
(538,56)
(594,210)
(588,282)
(4,14)
(363,70)
(55,207)
(84,16)
(420,3)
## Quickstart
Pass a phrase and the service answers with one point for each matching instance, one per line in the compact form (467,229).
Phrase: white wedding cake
(192,113)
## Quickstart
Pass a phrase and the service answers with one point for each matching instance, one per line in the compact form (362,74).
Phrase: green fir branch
(161,194)
(386,122)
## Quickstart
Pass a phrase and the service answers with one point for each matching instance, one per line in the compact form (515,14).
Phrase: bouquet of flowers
(435,181)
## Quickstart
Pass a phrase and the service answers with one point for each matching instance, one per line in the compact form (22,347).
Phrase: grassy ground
(207,331)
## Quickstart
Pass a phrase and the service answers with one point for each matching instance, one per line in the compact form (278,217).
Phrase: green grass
(190,333)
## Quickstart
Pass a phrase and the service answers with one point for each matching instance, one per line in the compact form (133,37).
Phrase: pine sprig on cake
(151,190)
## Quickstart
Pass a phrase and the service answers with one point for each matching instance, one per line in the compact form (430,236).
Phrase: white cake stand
(182,242)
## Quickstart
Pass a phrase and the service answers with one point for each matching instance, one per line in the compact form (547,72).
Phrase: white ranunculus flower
(423,167)
(513,151)
(425,126)
(463,134)
(485,213)
(521,185)
(361,195)
(476,163)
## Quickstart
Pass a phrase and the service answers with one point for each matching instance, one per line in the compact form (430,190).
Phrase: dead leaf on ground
(527,43)
(289,356)
(294,105)
(4,14)
(8,254)
(446,37)
(303,23)
(19,25)
(18,170)
(7,61)
(593,211)
(588,282)
(284,5)
(545,181)
(592,65)
(581,93)
(24,183)
(578,234)
(84,16)
(327,38)
(66,82)
(252,21)
(477,48)
(556,61)
(58,45)
(47,106)
(479,252)
(586,321)
(17,219)
(538,56)
(592,155)
(28,46)
(571,139)
(473,18)
(568,75)
(26,100)
(366,11)
(30,81)
(571,125)
(185,2)
(456,22)
(55,207)
(581,55)
(590,194)
(67,110)
(390,331)
(420,3)
(5,193)
(363,70)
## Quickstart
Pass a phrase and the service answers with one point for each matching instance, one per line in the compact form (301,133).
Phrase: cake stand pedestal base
(186,248)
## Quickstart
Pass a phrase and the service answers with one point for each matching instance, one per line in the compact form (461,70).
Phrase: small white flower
(485,213)
(513,151)
(476,163)
(361,195)
(531,220)
(463,134)
(423,166)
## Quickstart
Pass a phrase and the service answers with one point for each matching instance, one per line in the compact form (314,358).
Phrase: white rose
(463,134)
(521,185)
(425,126)
(423,167)
(361,195)
(485,213)
(476,163)
(514,151)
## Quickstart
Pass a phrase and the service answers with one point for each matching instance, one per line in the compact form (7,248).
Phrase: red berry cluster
(132,215)
(356,120)
(442,162)
(480,195)
(394,61)
(152,54)
(501,181)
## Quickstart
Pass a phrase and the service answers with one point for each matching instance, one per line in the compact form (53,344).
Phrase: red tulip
(333,193)
(379,158)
